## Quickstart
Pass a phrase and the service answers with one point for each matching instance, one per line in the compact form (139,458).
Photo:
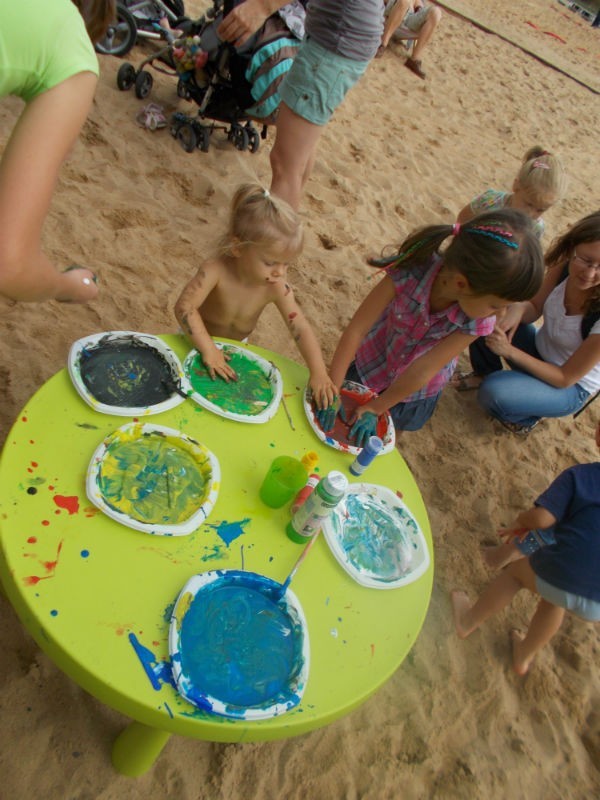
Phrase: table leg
(136,749)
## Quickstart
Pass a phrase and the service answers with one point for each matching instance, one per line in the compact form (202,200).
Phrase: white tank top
(560,336)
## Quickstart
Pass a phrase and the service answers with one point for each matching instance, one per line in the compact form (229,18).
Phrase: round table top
(97,596)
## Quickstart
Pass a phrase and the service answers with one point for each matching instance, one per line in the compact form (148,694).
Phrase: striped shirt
(407,330)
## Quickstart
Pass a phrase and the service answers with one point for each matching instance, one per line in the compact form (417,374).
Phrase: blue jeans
(516,396)
(409,416)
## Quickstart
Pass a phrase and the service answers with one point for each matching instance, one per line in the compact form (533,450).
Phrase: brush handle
(303,555)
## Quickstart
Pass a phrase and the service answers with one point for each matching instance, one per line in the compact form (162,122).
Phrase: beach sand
(453,721)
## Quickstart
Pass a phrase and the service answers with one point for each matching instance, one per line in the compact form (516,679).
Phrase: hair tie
(266,193)
(540,165)
(456,229)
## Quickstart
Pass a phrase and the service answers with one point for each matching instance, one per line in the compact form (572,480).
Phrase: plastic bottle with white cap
(309,518)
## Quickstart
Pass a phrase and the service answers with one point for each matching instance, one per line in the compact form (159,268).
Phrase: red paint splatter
(32,539)
(45,522)
(49,566)
(90,511)
(31,441)
(71,503)
(50,487)
(155,644)
(399,494)
(29,469)
(34,463)
(23,419)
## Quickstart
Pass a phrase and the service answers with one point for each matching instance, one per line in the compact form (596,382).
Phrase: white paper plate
(230,659)
(82,347)
(376,539)
(256,413)
(387,434)
(143,494)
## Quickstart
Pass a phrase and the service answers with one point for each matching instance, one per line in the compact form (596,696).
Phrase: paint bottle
(308,520)
(310,461)
(373,447)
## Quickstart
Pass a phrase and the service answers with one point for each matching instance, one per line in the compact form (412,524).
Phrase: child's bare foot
(460,608)
(77,285)
(498,556)
(520,664)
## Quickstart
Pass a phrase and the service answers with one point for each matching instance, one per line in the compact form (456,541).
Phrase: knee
(435,14)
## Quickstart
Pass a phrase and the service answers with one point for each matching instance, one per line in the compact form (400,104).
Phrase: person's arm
(187,312)
(40,141)
(534,518)
(323,389)
(245,19)
(581,362)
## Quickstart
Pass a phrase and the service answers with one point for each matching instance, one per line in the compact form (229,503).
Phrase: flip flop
(152,117)
(466,381)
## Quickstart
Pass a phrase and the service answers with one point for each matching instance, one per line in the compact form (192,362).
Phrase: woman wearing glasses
(555,368)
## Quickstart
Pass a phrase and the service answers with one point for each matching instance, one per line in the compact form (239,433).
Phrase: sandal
(466,381)
(152,117)
(516,428)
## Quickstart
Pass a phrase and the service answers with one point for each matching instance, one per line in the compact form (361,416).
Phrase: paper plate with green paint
(238,647)
(154,479)
(254,397)
(352,395)
(126,373)
(376,539)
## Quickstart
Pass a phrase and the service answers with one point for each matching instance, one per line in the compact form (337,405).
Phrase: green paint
(249,395)
(153,478)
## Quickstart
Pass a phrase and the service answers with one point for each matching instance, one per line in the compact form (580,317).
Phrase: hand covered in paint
(215,361)
(324,391)
(326,416)
(499,343)
(364,425)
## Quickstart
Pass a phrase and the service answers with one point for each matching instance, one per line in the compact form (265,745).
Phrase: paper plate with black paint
(352,395)
(126,373)
(376,538)
(253,397)
(238,648)
(154,479)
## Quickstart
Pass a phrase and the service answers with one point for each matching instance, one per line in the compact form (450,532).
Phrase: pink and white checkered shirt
(407,329)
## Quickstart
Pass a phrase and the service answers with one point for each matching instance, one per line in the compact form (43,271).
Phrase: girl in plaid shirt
(405,338)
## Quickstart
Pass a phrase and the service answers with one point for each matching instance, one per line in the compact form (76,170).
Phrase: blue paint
(228,531)
(168,612)
(84,553)
(239,645)
(54,613)
(168,710)
(158,672)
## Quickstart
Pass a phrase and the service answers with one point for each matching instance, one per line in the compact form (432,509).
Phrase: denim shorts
(580,606)
(318,81)
(534,540)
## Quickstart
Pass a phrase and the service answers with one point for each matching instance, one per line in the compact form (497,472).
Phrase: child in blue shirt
(565,573)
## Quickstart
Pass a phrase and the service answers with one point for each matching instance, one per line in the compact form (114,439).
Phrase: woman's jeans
(516,396)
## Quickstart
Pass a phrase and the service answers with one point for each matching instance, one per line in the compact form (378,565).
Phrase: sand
(454,721)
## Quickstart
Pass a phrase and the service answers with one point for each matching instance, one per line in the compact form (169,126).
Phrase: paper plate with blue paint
(376,539)
(254,397)
(154,479)
(237,648)
(352,394)
(126,373)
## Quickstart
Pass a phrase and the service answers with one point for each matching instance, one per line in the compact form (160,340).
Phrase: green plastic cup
(286,476)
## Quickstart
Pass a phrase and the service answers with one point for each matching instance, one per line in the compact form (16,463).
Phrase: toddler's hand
(364,427)
(326,416)
(324,391)
(508,534)
(215,362)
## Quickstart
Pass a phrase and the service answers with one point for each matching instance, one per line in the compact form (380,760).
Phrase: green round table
(97,596)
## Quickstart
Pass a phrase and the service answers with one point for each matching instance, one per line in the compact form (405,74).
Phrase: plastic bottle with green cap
(308,519)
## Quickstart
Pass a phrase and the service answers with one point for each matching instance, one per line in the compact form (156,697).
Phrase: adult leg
(432,20)
(292,155)
(499,593)
(544,624)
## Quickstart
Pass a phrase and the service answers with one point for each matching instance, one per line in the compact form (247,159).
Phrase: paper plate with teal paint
(238,649)
(126,373)
(376,539)
(254,397)
(154,479)
(352,395)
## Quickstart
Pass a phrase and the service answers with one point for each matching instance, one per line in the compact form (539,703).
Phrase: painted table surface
(97,596)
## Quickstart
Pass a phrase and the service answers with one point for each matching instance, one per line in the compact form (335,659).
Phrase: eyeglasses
(586,262)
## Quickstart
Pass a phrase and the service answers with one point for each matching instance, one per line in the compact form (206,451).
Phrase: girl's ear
(461,283)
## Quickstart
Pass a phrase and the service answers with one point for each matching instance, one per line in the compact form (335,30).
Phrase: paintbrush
(287,413)
(283,588)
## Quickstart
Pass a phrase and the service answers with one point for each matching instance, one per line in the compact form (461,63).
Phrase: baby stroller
(232,87)
(143,19)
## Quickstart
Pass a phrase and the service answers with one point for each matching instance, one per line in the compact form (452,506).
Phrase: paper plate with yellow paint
(126,373)
(154,479)
(254,397)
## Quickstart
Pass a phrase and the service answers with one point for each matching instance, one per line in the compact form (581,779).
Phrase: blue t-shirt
(573,563)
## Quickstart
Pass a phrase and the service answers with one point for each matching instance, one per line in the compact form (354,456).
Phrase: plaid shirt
(407,330)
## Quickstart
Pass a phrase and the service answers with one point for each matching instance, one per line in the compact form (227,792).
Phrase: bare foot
(520,664)
(77,285)
(460,606)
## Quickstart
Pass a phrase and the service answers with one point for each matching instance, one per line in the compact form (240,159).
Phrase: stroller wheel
(186,136)
(182,90)
(203,138)
(253,138)
(143,84)
(121,34)
(126,77)
(239,137)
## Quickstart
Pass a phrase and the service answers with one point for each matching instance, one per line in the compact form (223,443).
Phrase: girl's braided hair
(497,252)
